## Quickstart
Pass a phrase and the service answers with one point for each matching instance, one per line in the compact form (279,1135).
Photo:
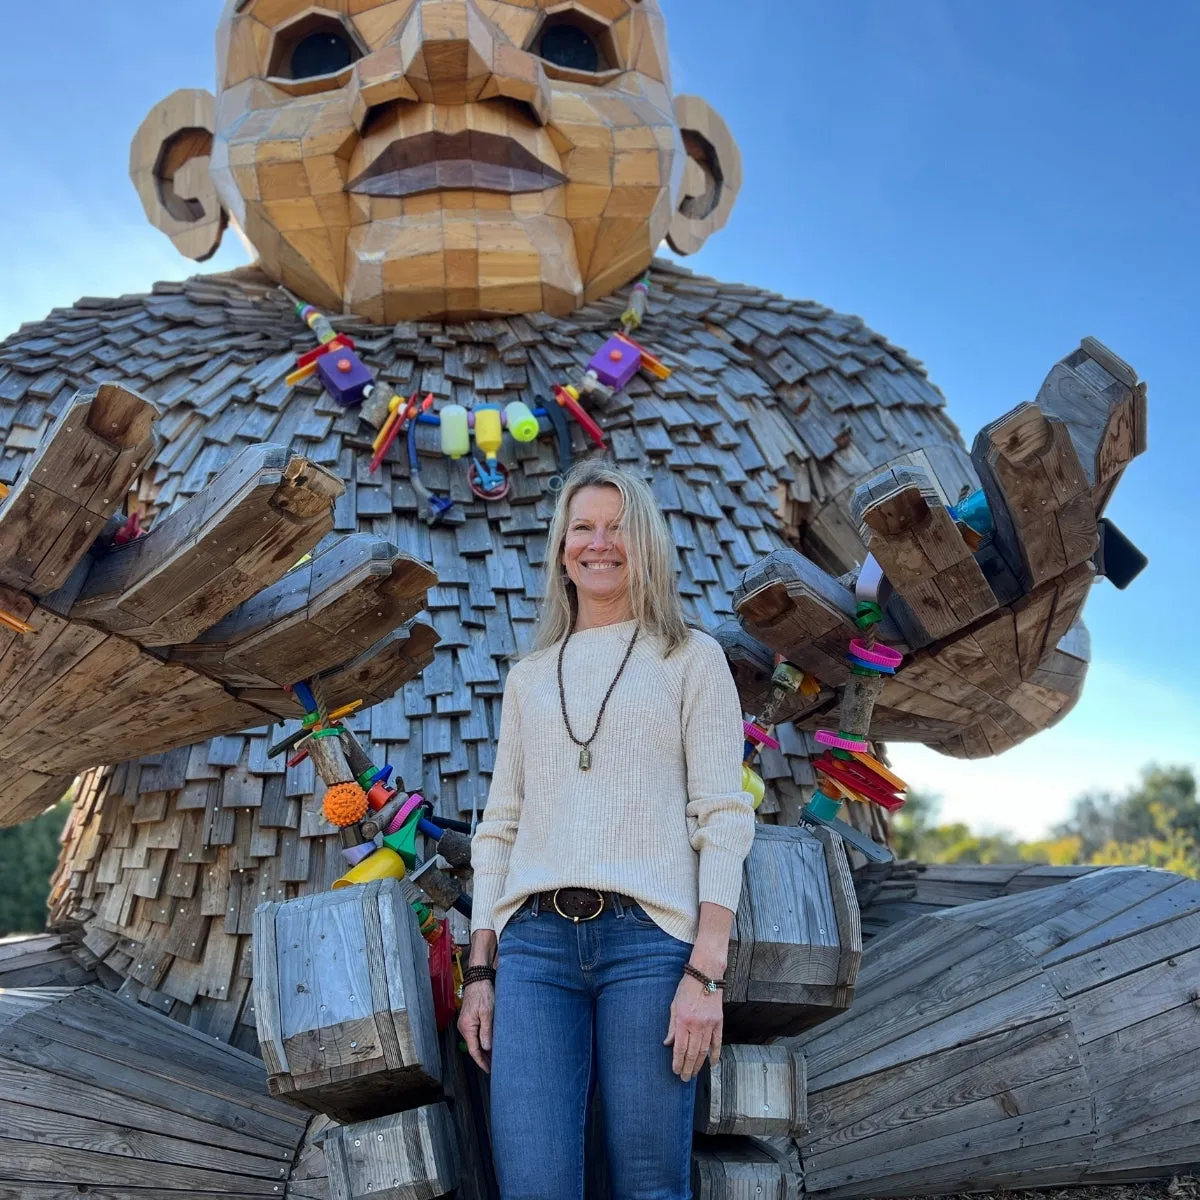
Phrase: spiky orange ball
(345,804)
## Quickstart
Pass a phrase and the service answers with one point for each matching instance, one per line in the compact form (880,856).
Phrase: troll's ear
(712,177)
(168,163)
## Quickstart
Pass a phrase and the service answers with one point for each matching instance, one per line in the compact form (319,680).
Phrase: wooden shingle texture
(776,410)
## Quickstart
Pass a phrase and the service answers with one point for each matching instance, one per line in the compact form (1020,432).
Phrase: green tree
(28,854)
(1156,822)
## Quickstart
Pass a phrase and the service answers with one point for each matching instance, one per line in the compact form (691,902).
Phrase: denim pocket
(523,914)
(639,916)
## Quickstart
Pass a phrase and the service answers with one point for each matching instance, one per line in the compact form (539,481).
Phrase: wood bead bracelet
(479,974)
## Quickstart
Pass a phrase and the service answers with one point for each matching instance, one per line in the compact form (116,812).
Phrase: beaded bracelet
(478,974)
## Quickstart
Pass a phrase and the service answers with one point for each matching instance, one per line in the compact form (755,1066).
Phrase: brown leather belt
(579,904)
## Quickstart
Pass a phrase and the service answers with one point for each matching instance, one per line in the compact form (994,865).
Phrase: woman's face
(594,550)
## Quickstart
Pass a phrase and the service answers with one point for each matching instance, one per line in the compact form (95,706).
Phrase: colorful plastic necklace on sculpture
(349,800)
(349,381)
(848,770)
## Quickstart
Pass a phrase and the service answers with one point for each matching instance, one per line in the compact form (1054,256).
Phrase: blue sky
(983,183)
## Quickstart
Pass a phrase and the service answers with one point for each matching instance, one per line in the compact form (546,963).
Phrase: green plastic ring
(865,672)
(867,613)
(324,733)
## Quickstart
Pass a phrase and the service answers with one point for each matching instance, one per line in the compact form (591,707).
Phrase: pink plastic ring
(756,733)
(825,738)
(881,655)
(406,810)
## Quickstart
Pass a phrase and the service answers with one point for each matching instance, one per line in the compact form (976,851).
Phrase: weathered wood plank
(359,1039)
(753,1090)
(262,512)
(405,1156)
(1136,996)
(45,1127)
(76,480)
(906,527)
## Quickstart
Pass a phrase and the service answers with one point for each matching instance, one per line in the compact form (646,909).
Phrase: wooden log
(744,1169)
(403,1156)
(357,758)
(318,617)
(1038,495)
(754,1090)
(791,605)
(76,480)
(1044,1037)
(261,513)
(788,967)
(345,1007)
(904,524)
(328,756)
(1098,398)
(751,663)
(100,1095)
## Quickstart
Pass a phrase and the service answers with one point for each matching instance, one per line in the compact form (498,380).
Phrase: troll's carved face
(448,158)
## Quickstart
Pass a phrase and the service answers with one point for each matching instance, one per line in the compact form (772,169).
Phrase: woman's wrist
(711,963)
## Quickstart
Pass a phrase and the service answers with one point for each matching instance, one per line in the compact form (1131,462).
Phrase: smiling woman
(608,861)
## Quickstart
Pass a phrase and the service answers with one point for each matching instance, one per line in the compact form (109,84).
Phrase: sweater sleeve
(491,847)
(712,740)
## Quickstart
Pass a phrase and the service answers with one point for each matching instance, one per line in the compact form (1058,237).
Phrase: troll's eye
(316,46)
(570,46)
(322,53)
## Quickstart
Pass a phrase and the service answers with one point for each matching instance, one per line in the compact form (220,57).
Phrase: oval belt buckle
(576,920)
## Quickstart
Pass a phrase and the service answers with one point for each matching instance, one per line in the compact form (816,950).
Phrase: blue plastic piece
(855,661)
(973,511)
(429,829)
(302,693)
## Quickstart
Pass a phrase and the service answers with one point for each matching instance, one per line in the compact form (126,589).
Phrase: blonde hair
(653,590)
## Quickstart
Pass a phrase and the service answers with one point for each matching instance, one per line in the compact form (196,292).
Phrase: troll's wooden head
(441,158)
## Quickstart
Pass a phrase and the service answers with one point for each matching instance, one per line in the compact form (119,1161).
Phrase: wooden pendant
(585,759)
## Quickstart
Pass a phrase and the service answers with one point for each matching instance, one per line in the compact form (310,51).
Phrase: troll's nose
(448,52)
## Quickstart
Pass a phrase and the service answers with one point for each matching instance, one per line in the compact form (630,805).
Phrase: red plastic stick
(393,433)
(575,409)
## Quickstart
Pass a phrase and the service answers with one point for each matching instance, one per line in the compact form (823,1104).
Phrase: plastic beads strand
(848,769)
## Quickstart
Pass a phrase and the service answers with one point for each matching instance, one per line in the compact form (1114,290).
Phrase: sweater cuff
(486,895)
(721,876)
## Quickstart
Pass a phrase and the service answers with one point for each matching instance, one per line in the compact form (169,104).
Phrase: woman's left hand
(697,1018)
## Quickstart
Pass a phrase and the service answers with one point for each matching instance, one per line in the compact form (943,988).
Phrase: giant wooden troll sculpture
(472,192)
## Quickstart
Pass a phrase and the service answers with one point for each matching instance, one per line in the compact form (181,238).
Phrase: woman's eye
(570,47)
(323,53)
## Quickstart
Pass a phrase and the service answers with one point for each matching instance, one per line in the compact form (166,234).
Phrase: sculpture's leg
(1037,1039)
(102,1095)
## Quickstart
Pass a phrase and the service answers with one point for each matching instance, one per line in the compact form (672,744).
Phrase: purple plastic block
(344,376)
(615,363)
(355,854)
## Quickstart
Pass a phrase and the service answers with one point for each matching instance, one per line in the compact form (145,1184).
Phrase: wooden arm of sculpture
(192,630)
(993,643)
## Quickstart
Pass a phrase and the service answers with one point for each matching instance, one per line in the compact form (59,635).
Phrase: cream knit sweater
(661,815)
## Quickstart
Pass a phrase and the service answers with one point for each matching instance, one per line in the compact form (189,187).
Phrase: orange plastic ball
(345,804)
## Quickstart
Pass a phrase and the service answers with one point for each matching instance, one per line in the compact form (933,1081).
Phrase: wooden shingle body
(775,411)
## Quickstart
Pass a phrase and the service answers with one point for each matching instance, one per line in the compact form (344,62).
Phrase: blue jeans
(579,1006)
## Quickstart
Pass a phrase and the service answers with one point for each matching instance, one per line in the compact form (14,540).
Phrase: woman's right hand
(475,1021)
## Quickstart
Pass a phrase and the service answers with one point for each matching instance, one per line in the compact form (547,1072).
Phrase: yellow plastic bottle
(488,431)
(522,424)
(385,863)
(752,783)
(456,436)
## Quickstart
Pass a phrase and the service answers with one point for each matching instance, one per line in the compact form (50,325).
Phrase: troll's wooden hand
(987,618)
(108,652)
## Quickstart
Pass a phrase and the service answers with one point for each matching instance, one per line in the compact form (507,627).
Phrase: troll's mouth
(431,162)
